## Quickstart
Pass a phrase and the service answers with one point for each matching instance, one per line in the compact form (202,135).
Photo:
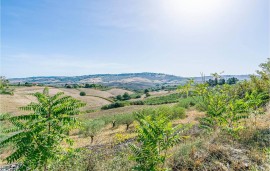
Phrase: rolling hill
(128,80)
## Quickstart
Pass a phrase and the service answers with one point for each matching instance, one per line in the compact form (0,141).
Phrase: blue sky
(180,37)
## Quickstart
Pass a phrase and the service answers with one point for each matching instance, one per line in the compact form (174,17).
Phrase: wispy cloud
(56,64)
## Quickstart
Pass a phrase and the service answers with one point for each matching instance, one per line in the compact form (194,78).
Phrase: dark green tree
(82,93)
(119,97)
(221,81)
(146,91)
(232,80)
(126,96)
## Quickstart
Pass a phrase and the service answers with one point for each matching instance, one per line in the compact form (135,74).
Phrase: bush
(119,97)
(126,96)
(172,98)
(138,102)
(178,113)
(155,136)
(147,94)
(171,112)
(187,102)
(138,96)
(82,93)
(114,105)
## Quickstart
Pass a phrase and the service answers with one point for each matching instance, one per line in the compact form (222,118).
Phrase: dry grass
(94,92)
(192,117)
(105,137)
(120,110)
(118,91)
(22,97)
(107,134)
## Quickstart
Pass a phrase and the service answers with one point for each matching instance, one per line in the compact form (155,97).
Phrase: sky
(179,37)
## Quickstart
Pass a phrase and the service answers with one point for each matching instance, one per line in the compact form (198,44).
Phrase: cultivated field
(22,96)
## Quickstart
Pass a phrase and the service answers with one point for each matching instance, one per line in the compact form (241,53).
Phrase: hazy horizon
(127,73)
(177,37)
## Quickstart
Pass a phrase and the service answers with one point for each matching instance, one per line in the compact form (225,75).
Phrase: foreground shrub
(155,136)
(72,160)
(37,138)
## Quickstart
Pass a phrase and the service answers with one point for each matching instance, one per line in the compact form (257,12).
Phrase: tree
(37,137)
(87,85)
(211,83)
(126,119)
(119,97)
(28,84)
(232,80)
(146,91)
(138,96)
(221,81)
(82,93)
(68,86)
(126,96)
(155,136)
(92,127)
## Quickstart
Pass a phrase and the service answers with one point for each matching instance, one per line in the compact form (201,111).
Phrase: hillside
(22,96)
(128,80)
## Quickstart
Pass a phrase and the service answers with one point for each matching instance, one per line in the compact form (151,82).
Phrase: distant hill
(128,80)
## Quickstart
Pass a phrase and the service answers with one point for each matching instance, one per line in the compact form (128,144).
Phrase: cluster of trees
(114,105)
(227,106)
(222,81)
(125,96)
(92,127)
(146,92)
(72,86)
(163,87)
(95,86)
(171,98)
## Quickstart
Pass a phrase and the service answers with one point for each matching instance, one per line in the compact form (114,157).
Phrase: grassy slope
(22,97)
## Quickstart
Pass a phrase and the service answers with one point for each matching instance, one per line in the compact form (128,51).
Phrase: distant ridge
(128,80)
